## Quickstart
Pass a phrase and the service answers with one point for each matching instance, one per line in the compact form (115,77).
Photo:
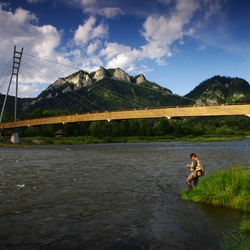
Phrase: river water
(111,196)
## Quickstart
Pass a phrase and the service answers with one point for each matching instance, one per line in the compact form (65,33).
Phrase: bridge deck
(169,112)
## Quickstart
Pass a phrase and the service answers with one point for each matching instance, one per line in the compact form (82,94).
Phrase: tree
(115,129)
(177,127)
(96,129)
(32,131)
(133,127)
(22,116)
(124,128)
(48,130)
(69,129)
(162,127)
(224,130)
(197,130)
(48,113)
(84,128)
(7,116)
(60,112)
(144,128)
(36,113)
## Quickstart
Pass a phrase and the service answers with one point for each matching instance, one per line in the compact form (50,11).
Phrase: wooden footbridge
(168,112)
(148,113)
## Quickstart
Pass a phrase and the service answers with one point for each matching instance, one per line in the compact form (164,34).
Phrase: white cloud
(112,49)
(186,8)
(119,61)
(19,29)
(88,31)
(36,1)
(29,89)
(94,7)
(86,2)
(212,7)
(161,31)
(165,1)
(111,12)
(93,47)
(117,55)
(201,47)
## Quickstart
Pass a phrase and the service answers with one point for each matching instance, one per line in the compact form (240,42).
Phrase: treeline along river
(111,196)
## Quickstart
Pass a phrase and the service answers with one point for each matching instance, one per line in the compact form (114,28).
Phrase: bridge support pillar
(14,137)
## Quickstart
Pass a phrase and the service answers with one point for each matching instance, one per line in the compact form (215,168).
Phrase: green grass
(236,242)
(245,225)
(229,188)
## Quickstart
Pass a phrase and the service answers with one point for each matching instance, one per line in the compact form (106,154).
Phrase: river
(111,196)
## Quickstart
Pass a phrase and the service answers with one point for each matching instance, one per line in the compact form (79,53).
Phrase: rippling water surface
(111,196)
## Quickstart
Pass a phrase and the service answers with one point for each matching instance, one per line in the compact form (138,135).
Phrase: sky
(175,43)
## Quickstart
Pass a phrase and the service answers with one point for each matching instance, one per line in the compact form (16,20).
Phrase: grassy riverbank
(229,188)
(74,140)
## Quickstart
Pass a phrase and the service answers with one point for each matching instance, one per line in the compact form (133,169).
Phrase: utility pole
(17,57)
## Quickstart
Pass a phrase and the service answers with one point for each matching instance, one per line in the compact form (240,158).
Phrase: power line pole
(17,56)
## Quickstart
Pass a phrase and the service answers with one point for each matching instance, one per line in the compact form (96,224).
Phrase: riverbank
(227,188)
(78,140)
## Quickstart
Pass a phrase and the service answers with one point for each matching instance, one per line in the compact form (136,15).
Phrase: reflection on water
(111,196)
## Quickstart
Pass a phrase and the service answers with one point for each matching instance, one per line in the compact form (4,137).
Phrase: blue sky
(174,43)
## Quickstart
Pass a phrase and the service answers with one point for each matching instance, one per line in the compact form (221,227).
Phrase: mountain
(221,90)
(114,89)
(104,89)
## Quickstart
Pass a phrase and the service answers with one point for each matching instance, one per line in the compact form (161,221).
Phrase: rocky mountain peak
(100,74)
(59,82)
(120,75)
(140,79)
(79,80)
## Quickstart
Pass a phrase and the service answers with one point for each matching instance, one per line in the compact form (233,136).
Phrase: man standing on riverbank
(193,176)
